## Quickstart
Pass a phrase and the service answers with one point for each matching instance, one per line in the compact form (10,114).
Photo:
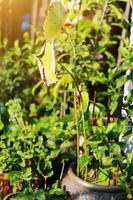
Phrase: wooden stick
(34,17)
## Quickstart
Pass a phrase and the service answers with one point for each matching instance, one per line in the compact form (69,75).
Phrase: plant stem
(74,79)
(84,134)
(73,42)
(77,130)
(82,116)
(81,103)
(75,104)
(93,112)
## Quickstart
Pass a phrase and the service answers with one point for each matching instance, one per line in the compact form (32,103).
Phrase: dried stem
(124,32)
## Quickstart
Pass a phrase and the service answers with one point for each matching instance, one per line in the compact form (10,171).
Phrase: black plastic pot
(82,190)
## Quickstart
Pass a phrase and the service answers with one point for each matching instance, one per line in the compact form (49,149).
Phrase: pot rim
(8,196)
(90,186)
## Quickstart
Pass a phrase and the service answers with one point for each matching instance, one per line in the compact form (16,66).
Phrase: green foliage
(18,70)
(87,52)
(47,194)
(29,149)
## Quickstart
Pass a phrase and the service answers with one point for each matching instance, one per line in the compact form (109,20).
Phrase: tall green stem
(75,105)
(82,116)
(84,134)
(76,89)
(77,131)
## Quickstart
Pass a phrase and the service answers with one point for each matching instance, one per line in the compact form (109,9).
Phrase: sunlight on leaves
(47,63)
(54,21)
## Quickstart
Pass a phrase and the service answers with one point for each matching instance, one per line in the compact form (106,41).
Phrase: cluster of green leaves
(28,150)
(106,156)
(88,51)
(32,137)
(50,193)
(18,70)
(87,61)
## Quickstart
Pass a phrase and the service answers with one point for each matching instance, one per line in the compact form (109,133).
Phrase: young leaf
(113,106)
(115,149)
(110,126)
(124,51)
(116,11)
(84,161)
(85,100)
(107,160)
(121,81)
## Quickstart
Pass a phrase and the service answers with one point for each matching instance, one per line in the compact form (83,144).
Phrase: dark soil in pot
(82,190)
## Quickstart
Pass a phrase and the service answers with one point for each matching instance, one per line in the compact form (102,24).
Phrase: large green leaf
(1,124)
(47,63)
(54,21)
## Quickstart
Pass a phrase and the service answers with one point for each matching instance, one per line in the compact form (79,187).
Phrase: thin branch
(77,131)
(124,32)
(104,10)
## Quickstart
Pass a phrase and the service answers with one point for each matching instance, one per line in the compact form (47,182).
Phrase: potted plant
(29,155)
(88,60)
